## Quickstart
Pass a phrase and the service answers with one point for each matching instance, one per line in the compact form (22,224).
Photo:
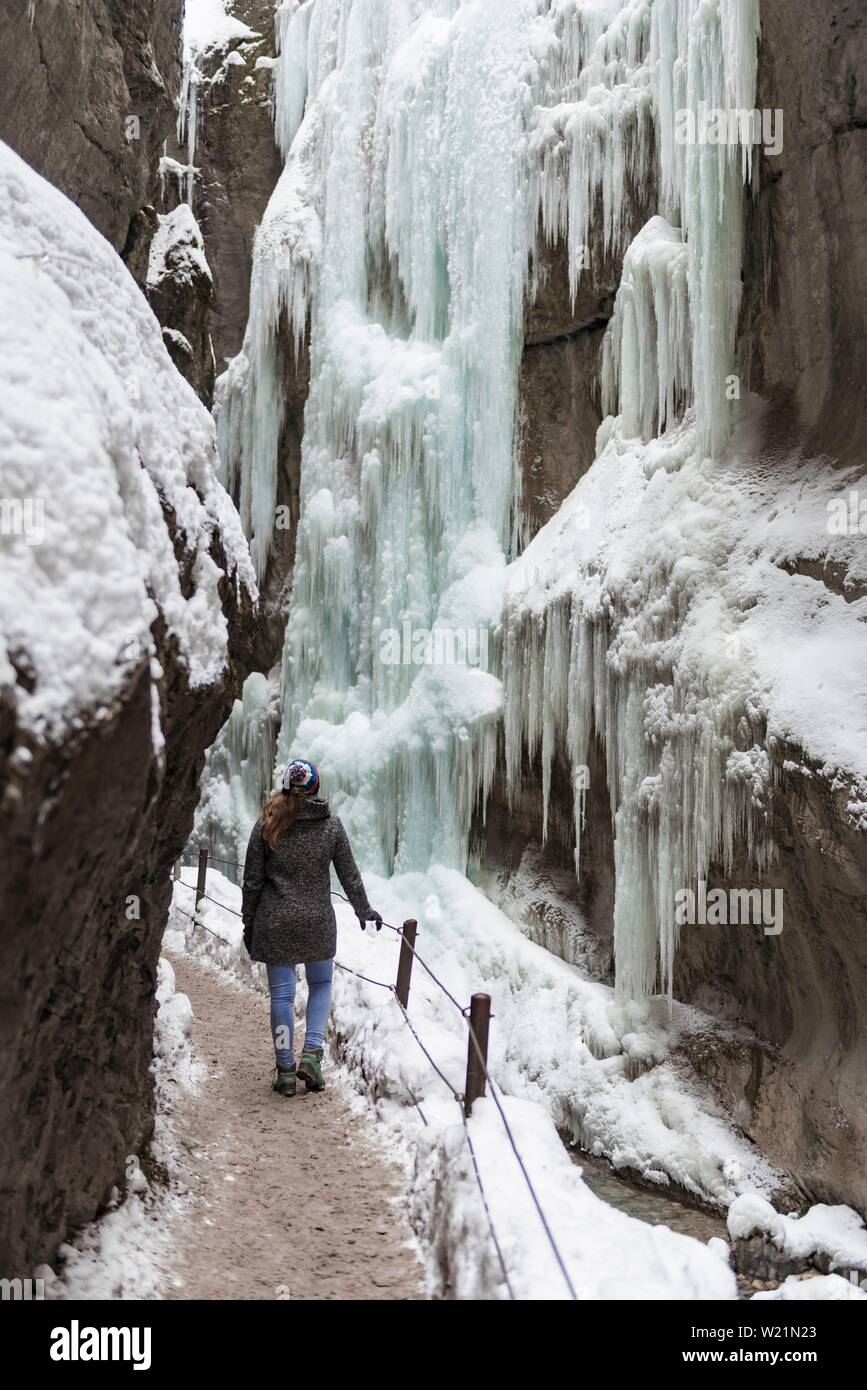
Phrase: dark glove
(371,917)
(248,937)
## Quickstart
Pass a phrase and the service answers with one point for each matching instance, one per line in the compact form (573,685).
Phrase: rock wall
(88,96)
(804,1099)
(180,290)
(795,1076)
(86,825)
(237,166)
(804,316)
(804,349)
(93,821)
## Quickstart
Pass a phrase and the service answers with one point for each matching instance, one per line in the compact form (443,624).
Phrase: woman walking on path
(288,917)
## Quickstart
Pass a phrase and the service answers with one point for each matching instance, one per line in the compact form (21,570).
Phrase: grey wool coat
(286,907)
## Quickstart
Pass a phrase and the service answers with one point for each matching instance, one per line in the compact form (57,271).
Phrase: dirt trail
(291,1198)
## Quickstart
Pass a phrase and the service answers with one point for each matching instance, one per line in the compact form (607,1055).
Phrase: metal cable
(334,893)
(457,1095)
(464,1011)
(196,923)
(215,901)
(410,947)
(358,975)
(486,1207)
(460,1102)
(521,1165)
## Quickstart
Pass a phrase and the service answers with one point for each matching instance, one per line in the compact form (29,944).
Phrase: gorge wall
(89,97)
(141,582)
(792,1067)
(794,1072)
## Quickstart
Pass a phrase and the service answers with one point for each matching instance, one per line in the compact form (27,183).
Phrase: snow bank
(100,439)
(563,1053)
(836,1234)
(127,1252)
(828,1287)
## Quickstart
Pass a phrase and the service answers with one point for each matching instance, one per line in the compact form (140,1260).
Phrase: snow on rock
(178,248)
(657,608)
(830,1288)
(836,1234)
(101,442)
(562,1052)
(211,24)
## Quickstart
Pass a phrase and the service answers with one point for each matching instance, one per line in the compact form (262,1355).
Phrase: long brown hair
(278,814)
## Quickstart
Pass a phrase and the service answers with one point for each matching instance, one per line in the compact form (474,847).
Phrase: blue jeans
(281,983)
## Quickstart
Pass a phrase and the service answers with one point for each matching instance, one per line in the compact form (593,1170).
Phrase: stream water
(657,1208)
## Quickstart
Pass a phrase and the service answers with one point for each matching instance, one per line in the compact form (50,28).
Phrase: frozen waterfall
(428,145)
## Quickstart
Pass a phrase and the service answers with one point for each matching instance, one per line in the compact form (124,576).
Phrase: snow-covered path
(290,1198)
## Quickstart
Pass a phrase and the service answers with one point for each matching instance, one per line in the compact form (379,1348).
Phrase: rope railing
(476,1057)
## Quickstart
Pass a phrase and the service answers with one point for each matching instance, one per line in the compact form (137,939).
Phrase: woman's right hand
(371,917)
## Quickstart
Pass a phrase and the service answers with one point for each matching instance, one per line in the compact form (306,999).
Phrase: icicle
(646,366)
(239,768)
(425,144)
(292,29)
(187,125)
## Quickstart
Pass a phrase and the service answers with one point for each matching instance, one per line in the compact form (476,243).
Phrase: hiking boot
(310,1069)
(284,1082)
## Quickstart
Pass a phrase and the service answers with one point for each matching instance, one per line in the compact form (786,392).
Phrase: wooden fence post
(477,1058)
(201,881)
(404,964)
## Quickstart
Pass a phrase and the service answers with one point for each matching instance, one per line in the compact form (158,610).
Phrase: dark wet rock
(804,323)
(237,167)
(88,96)
(86,825)
(180,290)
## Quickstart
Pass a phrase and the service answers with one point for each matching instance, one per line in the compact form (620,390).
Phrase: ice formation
(238,772)
(208,24)
(428,144)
